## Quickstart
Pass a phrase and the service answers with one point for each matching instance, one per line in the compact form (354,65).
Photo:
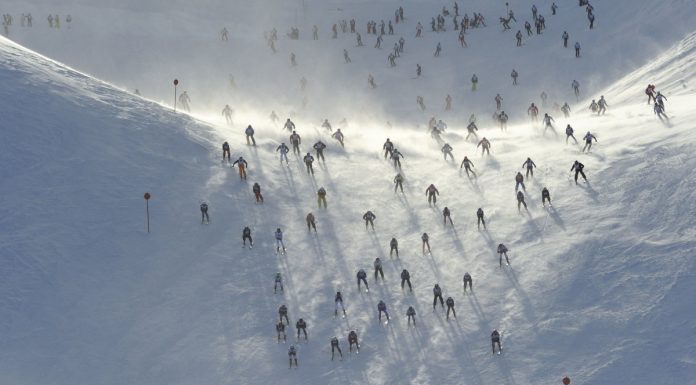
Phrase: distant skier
(518,36)
(280,328)
(338,301)
(382,308)
(204,213)
(578,168)
(485,146)
(594,107)
(495,340)
(399,182)
(292,355)
(447,150)
(528,28)
(602,106)
(438,49)
(577,49)
(319,147)
(468,281)
(369,218)
(450,307)
(362,277)
(533,111)
(519,181)
(480,220)
(184,100)
(242,166)
(301,325)
(425,242)
(545,196)
(311,223)
(576,88)
(446,216)
(283,149)
(334,346)
(283,312)
(437,294)
(308,161)
(378,268)
(660,111)
(514,76)
(394,247)
(338,135)
(565,37)
(530,165)
(353,340)
(431,192)
(388,147)
(226,151)
(467,164)
(246,235)
(227,113)
(411,315)
(249,132)
(471,128)
(345,56)
(569,134)
(395,155)
(566,110)
(278,282)
(548,124)
(406,278)
(296,141)
(279,240)
(650,91)
(474,82)
(588,141)
(502,250)
(520,201)
(289,125)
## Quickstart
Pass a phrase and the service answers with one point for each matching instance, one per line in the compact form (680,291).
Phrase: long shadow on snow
(529,311)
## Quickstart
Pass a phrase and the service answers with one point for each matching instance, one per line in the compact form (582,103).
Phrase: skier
(369,217)
(292,355)
(467,280)
(520,200)
(274,118)
(293,62)
(296,141)
(308,160)
(338,135)
(321,196)
(495,339)
(411,315)
(388,147)
(378,268)
(594,107)
(250,135)
(399,182)
(371,81)
(603,105)
(382,308)
(588,141)
(246,234)
(450,306)
(438,49)
(279,240)
(471,128)
(280,328)
(319,147)
(577,167)
(437,293)
(569,134)
(338,300)
(480,220)
(431,192)
(545,196)
(204,213)
(533,111)
(448,102)
(485,146)
(283,148)
(474,82)
(548,124)
(289,125)
(566,110)
(446,215)
(519,181)
(311,224)
(395,155)
(591,18)
(226,151)
(283,312)
(425,242)
(660,111)
(577,49)
(498,101)
(394,247)
(184,100)
(467,164)
(529,163)
(576,87)
(278,282)
(503,118)
(362,276)
(256,189)
(334,346)
(650,91)
(528,27)
(514,76)
(301,325)
(227,113)
(502,249)
(345,55)
(518,35)
(406,278)
(242,166)
(353,340)
(565,39)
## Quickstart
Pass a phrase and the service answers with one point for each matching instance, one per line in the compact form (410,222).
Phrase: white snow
(598,288)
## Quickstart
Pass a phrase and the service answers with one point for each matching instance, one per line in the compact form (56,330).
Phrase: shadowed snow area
(599,285)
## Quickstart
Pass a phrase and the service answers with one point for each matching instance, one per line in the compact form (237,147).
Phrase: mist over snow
(598,287)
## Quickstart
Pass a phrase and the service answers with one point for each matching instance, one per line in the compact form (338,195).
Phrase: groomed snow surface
(599,287)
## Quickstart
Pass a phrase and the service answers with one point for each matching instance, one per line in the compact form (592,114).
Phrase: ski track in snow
(595,290)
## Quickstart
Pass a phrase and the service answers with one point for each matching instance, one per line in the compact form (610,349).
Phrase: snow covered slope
(598,287)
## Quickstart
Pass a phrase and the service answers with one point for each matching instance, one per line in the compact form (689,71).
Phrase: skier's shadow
(505,370)
(590,191)
(528,307)
(556,218)
(493,163)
